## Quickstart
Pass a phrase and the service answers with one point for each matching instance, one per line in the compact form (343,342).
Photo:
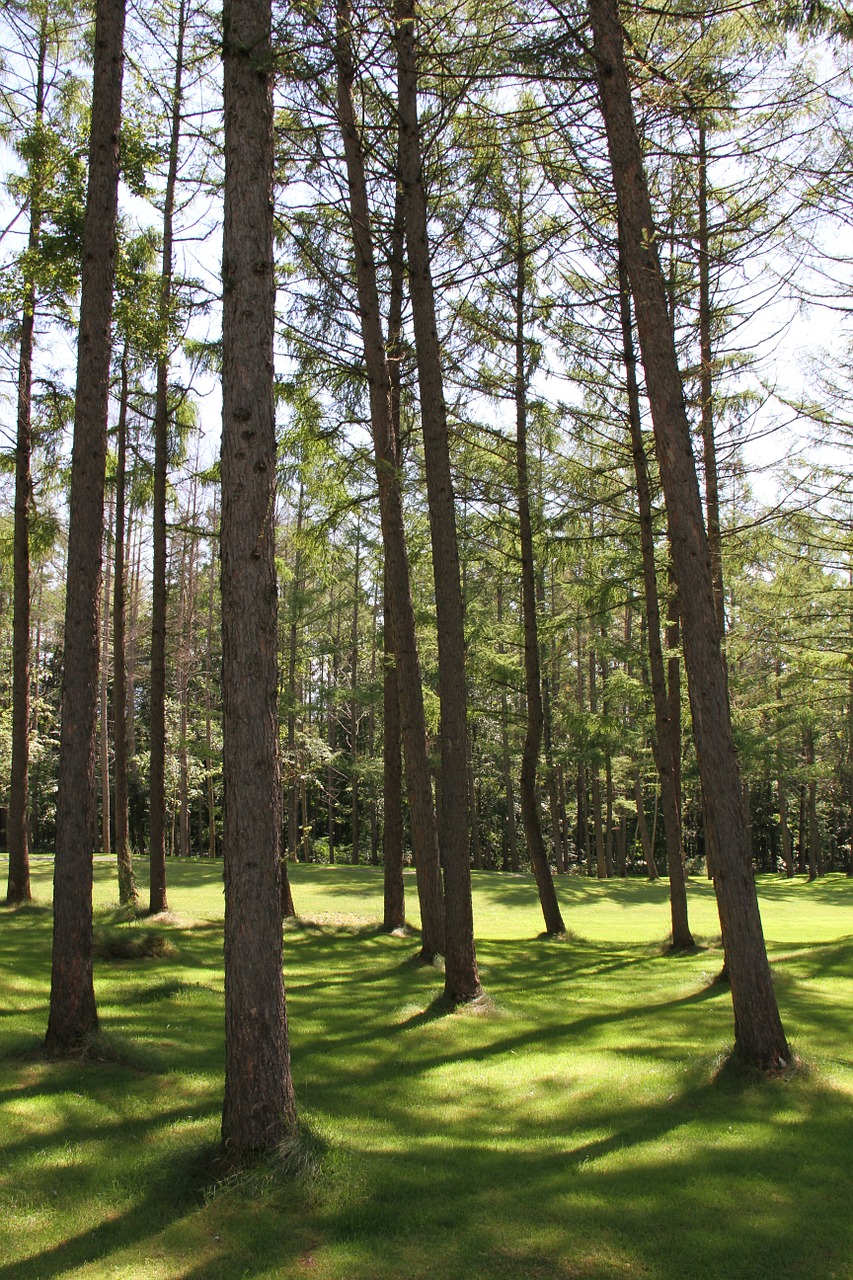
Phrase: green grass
(578,1126)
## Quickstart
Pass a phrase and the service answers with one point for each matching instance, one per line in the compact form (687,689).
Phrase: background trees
(524,269)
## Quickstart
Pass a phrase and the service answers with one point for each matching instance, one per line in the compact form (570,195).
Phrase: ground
(582,1123)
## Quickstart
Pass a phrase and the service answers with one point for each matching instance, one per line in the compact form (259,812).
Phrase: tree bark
(355,815)
(73,1014)
(666,743)
(784,830)
(461,976)
(259,1109)
(759,1036)
(394,895)
(382,374)
(157,780)
(18,882)
(709,444)
(127,894)
(106,843)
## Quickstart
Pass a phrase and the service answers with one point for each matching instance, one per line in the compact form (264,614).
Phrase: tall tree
(759,1035)
(259,1108)
(665,742)
(73,1014)
(157,813)
(383,384)
(461,976)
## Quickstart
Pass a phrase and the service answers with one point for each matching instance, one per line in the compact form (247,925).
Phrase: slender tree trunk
(383,385)
(208,697)
(394,903)
(550,773)
(106,843)
(813,830)
(709,444)
(292,699)
(73,1014)
(18,884)
(595,780)
(331,679)
(353,726)
(608,824)
(667,701)
(510,834)
(784,830)
(371,731)
(259,1109)
(461,976)
(643,830)
(530,811)
(157,836)
(759,1036)
(127,894)
(622,846)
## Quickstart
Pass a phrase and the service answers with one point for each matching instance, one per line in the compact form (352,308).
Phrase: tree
(45,268)
(259,1108)
(157,835)
(759,1036)
(73,1014)
(384,413)
(461,977)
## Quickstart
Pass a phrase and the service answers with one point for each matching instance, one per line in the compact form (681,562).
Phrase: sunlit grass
(578,1125)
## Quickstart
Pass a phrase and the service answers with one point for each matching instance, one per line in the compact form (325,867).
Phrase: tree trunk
(259,1109)
(292,789)
(510,834)
(106,843)
(643,830)
(157,834)
(666,701)
(127,894)
(709,444)
(394,895)
(461,977)
(383,378)
(759,1036)
(784,830)
(18,883)
(73,1014)
(355,824)
(530,811)
(208,699)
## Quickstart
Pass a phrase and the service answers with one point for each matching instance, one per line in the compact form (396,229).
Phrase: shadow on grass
(179,1185)
(578,1132)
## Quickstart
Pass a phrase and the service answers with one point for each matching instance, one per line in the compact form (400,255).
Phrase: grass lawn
(578,1127)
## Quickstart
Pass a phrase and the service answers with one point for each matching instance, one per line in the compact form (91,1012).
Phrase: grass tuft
(131,943)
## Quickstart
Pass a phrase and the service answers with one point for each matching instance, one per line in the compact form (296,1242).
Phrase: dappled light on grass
(583,1122)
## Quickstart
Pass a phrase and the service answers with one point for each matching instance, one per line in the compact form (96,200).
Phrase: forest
(425,444)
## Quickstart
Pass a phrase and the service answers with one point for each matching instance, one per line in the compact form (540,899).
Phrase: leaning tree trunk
(259,1108)
(461,977)
(383,385)
(73,1015)
(759,1035)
